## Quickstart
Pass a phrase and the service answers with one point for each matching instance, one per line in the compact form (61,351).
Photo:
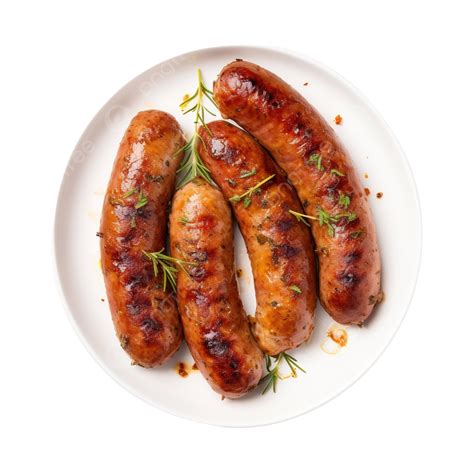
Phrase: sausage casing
(215,325)
(134,220)
(319,167)
(280,248)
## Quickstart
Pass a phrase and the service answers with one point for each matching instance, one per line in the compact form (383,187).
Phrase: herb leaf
(167,265)
(344,200)
(273,373)
(142,200)
(192,164)
(296,289)
(315,158)
(301,217)
(324,218)
(248,194)
(246,174)
(337,172)
(129,193)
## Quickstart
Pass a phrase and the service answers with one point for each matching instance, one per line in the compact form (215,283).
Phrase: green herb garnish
(142,201)
(129,193)
(167,265)
(296,289)
(337,172)
(315,159)
(246,174)
(273,373)
(344,200)
(324,218)
(248,194)
(301,217)
(192,164)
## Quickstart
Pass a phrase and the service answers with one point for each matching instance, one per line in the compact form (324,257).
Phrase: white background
(60,62)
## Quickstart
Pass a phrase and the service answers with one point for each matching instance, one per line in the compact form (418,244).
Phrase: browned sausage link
(134,220)
(307,149)
(279,247)
(215,325)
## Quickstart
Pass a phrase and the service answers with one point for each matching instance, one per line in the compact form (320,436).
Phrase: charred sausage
(215,325)
(280,248)
(319,167)
(133,221)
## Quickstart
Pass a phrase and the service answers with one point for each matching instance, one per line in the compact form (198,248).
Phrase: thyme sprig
(192,164)
(273,373)
(324,218)
(167,265)
(247,196)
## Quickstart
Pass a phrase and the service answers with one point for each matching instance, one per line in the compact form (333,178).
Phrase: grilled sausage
(215,325)
(279,247)
(319,167)
(134,220)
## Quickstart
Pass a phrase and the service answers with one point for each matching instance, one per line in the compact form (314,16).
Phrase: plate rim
(412,184)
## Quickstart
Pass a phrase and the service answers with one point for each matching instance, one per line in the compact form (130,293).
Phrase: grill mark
(348,279)
(283,251)
(198,273)
(150,326)
(285,224)
(353,256)
(215,344)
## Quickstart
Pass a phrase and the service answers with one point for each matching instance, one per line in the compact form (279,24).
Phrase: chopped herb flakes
(248,194)
(246,174)
(315,159)
(344,200)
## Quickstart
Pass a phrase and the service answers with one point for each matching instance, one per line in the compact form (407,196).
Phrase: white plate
(374,150)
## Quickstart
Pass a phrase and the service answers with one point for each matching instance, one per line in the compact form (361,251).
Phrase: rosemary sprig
(324,218)
(192,164)
(273,373)
(248,194)
(142,200)
(129,193)
(167,264)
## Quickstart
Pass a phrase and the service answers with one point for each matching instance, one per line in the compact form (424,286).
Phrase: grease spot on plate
(181,369)
(336,339)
